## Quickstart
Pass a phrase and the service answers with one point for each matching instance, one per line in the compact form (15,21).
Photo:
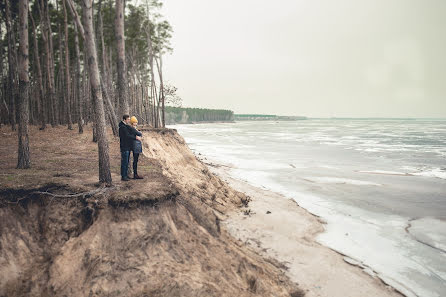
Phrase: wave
(338,180)
(429,231)
(437,172)
(385,172)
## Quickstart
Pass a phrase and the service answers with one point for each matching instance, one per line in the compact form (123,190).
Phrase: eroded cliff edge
(60,236)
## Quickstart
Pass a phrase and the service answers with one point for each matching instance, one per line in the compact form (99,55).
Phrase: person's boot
(136,176)
(125,178)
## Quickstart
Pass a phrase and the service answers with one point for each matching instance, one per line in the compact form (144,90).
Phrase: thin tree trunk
(60,81)
(155,106)
(12,63)
(101,35)
(80,121)
(121,65)
(50,52)
(111,111)
(2,83)
(85,83)
(95,80)
(40,104)
(105,81)
(23,149)
(48,62)
(161,93)
(67,68)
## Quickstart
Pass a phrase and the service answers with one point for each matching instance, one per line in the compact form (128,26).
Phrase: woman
(137,146)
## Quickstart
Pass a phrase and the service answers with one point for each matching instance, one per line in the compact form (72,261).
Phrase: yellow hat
(133,120)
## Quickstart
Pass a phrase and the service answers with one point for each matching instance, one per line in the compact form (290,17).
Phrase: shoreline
(277,227)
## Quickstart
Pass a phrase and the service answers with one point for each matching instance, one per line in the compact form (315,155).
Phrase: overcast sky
(317,58)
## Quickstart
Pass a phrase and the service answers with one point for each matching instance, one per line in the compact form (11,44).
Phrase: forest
(81,62)
(266,117)
(182,115)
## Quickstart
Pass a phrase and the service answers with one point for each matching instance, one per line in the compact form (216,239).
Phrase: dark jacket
(137,145)
(126,137)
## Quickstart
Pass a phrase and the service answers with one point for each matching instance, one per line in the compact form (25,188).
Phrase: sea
(380,184)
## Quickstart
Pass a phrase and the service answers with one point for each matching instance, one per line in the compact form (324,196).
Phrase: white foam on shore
(338,180)
(437,172)
(385,172)
(430,231)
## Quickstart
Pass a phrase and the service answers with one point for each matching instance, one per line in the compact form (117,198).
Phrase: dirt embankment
(160,236)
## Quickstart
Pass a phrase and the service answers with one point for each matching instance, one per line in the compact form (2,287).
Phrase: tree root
(84,195)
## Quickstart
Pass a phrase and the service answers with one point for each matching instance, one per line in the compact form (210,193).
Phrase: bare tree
(23,108)
(12,63)
(67,68)
(48,62)
(159,65)
(95,82)
(80,121)
(40,104)
(120,47)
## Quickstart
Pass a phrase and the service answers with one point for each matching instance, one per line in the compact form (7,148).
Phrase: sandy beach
(276,227)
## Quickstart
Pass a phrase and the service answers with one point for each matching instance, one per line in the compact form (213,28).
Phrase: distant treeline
(266,117)
(183,115)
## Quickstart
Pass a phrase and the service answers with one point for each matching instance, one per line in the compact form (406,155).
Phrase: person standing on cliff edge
(137,146)
(126,144)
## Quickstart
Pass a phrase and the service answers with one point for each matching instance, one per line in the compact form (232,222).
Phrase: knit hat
(133,120)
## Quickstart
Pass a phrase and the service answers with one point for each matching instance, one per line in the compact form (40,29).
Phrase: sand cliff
(161,236)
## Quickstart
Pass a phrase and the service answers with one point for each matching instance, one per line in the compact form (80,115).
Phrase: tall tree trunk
(2,93)
(105,81)
(152,75)
(12,63)
(121,65)
(60,81)
(86,85)
(54,101)
(80,121)
(78,28)
(3,84)
(101,36)
(161,93)
(67,68)
(111,111)
(95,80)
(40,101)
(48,62)
(23,149)
(155,106)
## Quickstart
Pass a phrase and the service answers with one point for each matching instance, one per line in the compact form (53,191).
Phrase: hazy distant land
(187,115)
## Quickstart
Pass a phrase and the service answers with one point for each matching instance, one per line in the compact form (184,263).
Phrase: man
(126,143)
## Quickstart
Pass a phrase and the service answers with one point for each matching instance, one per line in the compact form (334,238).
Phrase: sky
(315,58)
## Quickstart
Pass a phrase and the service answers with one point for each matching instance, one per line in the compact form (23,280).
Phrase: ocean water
(379,184)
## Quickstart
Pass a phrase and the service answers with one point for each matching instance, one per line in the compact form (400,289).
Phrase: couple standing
(130,140)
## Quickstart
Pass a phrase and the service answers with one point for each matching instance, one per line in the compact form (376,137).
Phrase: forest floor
(61,234)
(65,157)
